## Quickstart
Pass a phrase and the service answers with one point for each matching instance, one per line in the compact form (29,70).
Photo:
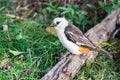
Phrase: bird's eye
(57,22)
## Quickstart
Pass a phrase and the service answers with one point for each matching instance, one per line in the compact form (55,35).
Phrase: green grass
(31,38)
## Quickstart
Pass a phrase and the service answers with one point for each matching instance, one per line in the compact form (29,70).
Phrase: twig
(64,6)
(28,69)
(15,17)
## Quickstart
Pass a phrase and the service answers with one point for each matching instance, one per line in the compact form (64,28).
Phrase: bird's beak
(52,25)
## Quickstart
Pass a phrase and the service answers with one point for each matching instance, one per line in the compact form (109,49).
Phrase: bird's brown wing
(75,35)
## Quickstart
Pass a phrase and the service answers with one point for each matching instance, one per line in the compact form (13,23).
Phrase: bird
(73,39)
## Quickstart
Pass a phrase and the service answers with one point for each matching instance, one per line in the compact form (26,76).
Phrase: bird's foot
(66,55)
(83,55)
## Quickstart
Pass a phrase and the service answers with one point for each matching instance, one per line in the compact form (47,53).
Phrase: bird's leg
(67,54)
(83,55)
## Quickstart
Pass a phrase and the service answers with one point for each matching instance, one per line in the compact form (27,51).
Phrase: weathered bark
(69,65)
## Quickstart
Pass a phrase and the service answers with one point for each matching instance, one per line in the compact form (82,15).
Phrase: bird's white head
(59,23)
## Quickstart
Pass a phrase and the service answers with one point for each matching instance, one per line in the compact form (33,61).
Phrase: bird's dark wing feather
(76,36)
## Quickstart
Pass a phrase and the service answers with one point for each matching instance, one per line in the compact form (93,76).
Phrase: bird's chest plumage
(62,38)
(72,47)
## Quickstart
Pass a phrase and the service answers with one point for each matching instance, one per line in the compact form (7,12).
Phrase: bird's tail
(104,52)
(98,49)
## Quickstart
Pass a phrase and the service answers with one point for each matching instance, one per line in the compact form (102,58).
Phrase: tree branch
(69,65)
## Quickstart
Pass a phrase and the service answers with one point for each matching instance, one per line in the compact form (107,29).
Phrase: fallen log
(69,65)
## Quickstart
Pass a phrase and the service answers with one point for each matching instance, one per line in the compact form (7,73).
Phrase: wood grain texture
(69,65)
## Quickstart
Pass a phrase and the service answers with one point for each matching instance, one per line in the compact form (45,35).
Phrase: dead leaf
(4,64)
(5,27)
(51,31)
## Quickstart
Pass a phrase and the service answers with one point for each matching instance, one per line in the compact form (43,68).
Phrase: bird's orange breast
(84,50)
